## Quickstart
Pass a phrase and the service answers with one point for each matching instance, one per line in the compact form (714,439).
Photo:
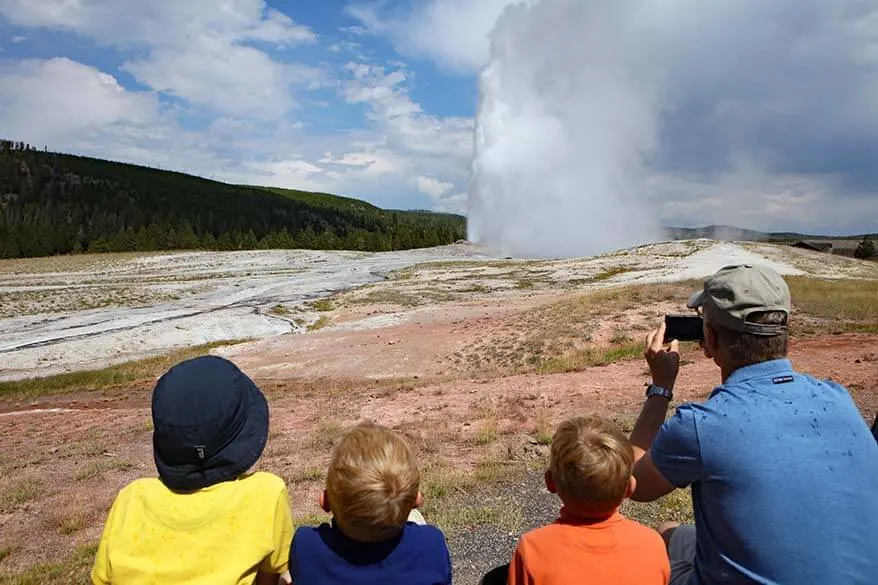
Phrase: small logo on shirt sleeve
(782,380)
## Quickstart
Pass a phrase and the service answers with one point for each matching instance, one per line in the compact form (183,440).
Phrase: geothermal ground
(474,358)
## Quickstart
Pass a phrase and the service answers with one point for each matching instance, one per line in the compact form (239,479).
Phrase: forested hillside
(57,204)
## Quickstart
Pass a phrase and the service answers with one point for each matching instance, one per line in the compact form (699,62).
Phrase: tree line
(54,203)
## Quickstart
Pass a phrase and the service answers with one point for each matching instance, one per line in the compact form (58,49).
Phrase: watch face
(658,391)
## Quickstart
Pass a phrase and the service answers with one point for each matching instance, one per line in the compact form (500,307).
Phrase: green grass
(73,570)
(17,492)
(95,380)
(96,468)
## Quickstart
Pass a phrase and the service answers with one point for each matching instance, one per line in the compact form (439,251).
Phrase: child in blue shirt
(372,492)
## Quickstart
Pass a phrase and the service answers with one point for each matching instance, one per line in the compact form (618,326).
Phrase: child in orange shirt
(591,542)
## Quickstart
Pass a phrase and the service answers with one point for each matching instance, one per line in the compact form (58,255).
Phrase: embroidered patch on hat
(782,380)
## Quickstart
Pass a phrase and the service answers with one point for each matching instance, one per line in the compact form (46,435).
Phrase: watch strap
(656,390)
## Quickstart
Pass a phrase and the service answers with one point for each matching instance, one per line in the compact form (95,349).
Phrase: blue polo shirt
(323,555)
(784,476)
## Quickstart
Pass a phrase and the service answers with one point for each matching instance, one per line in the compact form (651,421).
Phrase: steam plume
(567,113)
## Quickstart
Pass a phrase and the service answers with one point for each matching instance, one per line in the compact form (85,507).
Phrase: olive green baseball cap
(735,292)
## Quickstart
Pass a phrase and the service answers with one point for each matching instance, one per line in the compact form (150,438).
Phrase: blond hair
(591,462)
(372,484)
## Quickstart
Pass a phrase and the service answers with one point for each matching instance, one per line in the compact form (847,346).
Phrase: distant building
(838,247)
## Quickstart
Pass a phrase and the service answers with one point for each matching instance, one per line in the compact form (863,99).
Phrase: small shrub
(487,434)
(322,305)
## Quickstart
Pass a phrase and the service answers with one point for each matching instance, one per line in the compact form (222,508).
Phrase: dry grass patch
(543,430)
(321,305)
(73,570)
(326,435)
(96,468)
(312,519)
(69,517)
(487,434)
(610,273)
(558,337)
(450,519)
(103,379)
(320,323)
(306,475)
(590,357)
(5,552)
(14,493)
(839,305)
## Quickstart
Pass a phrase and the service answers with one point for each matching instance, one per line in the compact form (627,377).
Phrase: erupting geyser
(567,112)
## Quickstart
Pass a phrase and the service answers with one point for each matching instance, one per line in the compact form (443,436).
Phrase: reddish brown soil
(318,383)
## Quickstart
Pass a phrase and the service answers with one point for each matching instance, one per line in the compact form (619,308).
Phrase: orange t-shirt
(615,551)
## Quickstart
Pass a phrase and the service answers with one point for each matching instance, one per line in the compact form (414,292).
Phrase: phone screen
(683,328)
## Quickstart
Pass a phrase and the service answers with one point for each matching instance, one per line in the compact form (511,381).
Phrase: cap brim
(696,300)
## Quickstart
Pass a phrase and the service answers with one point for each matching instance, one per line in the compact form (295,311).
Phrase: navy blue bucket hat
(210,423)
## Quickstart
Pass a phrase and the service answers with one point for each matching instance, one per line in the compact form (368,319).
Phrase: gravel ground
(477,550)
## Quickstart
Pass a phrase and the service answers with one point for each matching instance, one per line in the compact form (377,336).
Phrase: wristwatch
(654,390)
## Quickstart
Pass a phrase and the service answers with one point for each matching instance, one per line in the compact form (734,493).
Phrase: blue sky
(289,93)
(378,99)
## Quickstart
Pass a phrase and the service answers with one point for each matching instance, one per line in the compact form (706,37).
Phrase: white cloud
(433,187)
(403,120)
(453,33)
(159,22)
(55,102)
(195,50)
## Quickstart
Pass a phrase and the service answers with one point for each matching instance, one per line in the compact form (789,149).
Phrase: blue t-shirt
(325,556)
(784,476)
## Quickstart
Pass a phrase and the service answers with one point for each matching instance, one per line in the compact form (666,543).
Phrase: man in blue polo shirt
(783,467)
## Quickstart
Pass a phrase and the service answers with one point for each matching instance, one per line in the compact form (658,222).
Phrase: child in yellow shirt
(205,520)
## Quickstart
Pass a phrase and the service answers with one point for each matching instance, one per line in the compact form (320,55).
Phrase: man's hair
(591,462)
(372,483)
(746,349)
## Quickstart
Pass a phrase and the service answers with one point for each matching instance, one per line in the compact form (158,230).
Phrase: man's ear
(550,482)
(323,500)
(632,485)
(710,341)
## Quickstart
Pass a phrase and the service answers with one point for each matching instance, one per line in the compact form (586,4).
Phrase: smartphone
(683,328)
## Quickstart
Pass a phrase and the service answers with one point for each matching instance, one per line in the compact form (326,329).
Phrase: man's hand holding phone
(664,363)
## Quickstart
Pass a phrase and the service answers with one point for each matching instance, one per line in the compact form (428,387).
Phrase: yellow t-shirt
(220,535)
